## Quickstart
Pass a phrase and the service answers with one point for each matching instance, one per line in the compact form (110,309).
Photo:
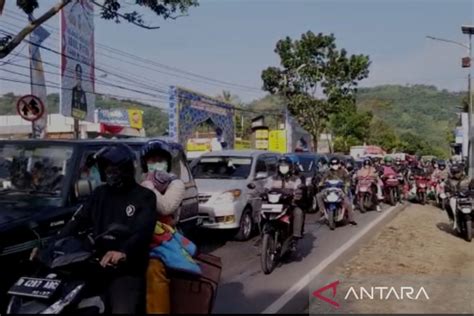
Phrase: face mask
(159,166)
(366,166)
(335,167)
(114,180)
(284,169)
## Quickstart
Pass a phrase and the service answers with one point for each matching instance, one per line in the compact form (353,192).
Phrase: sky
(234,40)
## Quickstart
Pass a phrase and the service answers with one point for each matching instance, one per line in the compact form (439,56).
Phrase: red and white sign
(30,107)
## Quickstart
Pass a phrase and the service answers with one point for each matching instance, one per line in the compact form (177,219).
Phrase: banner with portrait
(77,97)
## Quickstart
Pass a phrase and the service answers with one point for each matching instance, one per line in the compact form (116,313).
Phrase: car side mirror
(261,175)
(251,186)
(83,188)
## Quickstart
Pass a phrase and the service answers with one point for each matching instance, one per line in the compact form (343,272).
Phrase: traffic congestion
(104,197)
(236,157)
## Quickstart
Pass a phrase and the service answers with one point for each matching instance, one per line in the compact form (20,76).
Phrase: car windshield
(223,168)
(33,169)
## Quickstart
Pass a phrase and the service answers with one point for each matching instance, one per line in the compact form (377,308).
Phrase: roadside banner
(135,118)
(126,118)
(77,97)
(114,117)
(38,84)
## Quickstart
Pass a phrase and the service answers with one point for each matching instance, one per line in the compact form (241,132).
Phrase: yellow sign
(198,144)
(261,134)
(136,118)
(261,144)
(242,144)
(277,141)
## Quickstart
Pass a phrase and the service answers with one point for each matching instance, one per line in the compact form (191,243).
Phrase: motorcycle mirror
(251,186)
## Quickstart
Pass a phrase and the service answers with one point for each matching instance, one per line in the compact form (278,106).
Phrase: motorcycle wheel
(422,198)
(392,198)
(268,257)
(468,235)
(332,223)
(443,204)
(361,202)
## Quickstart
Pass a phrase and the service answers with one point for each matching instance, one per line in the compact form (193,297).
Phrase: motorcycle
(334,211)
(464,215)
(276,228)
(365,193)
(68,277)
(421,183)
(442,195)
(391,185)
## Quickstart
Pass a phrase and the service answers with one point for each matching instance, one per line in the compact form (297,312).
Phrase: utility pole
(469,30)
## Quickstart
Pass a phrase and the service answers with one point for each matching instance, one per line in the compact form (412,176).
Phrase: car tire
(246,226)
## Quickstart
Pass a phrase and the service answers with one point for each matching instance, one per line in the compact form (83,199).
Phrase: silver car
(229,184)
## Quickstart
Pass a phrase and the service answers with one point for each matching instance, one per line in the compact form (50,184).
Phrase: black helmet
(367,162)
(155,147)
(441,164)
(120,156)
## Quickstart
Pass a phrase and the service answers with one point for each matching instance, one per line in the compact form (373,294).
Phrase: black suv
(43,182)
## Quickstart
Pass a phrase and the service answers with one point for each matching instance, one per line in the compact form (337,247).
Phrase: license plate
(272,208)
(35,287)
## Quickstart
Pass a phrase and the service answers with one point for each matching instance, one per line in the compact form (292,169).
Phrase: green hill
(421,110)
(155,120)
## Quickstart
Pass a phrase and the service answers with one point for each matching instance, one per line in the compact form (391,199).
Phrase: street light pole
(466,29)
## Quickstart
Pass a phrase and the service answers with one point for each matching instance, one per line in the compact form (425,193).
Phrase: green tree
(315,77)
(115,10)
(350,127)
(383,135)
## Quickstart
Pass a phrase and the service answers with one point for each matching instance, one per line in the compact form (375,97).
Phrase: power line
(66,56)
(97,81)
(49,85)
(149,62)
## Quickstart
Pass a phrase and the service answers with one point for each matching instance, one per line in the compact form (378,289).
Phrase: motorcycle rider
(120,201)
(366,171)
(156,161)
(336,172)
(287,180)
(457,182)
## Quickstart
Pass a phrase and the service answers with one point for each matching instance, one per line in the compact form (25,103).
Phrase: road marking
(302,283)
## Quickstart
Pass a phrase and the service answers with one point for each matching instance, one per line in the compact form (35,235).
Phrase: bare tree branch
(12,44)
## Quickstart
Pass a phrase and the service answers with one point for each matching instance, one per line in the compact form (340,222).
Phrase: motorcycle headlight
(58,306)
(274,198)
(229,196)
(466,210)
(332,197)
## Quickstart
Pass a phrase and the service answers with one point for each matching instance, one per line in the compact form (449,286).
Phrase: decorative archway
(188,109)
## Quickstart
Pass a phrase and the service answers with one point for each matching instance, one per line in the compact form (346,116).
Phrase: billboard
(77,98)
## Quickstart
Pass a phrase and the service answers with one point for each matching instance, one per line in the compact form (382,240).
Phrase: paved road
(245,289)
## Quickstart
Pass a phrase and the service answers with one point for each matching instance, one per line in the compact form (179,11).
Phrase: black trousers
(127,295)
(298,222)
